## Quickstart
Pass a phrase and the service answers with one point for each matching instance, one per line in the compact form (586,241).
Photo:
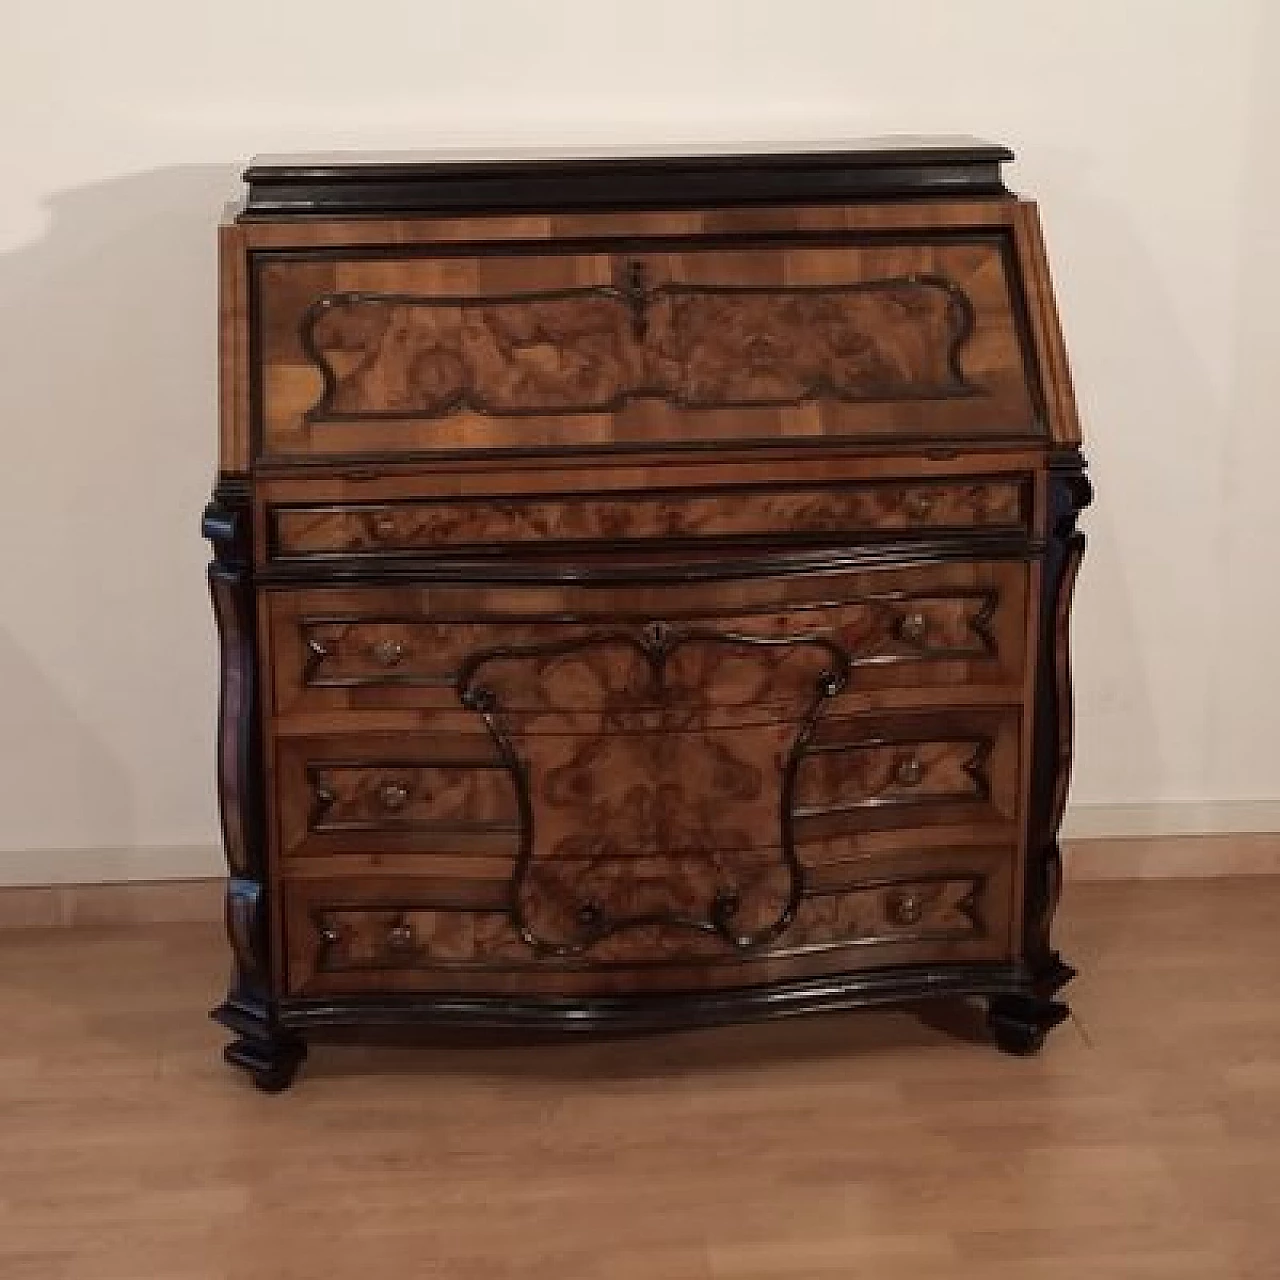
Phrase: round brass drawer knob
(393,795)
(920,505)
(389,653)
(906,908)
(400,936)
(384,526)
(331,935)
(590,914)
(909,772)
(912,626)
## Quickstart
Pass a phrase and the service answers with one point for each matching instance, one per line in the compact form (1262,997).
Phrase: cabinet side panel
(1070,492)
(233,353)
(1064,420)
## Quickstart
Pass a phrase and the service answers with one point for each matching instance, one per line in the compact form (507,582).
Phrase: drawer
(370,648)
(496,523)
(375,352)
(420,933)
(648,784)
(909,770)
(395,794)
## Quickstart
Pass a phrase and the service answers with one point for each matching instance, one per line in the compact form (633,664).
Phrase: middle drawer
(608,790)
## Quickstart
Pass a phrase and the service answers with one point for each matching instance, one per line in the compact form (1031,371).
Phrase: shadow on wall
(108,326)
(1141,628)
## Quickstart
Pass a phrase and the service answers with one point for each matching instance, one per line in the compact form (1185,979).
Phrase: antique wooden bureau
(642,586)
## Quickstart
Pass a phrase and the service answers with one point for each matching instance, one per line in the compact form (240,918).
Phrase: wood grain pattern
(364,648)
(640,786)
(1046,327)
(387,933)
(376,354)
(495,522)
(417,937)
(235,447)
(594,349)
(910,770)
(776,218)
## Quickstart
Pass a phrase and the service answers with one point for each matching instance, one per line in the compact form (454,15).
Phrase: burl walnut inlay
(631,780)
(606,347)
(397,355)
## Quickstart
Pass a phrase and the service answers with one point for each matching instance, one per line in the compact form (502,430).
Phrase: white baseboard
(1171,818)
(25,867)
(31,867)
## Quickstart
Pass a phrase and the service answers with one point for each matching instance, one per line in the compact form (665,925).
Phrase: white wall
(1145,128)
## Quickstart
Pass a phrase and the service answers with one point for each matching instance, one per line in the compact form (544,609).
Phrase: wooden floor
(1145,1142)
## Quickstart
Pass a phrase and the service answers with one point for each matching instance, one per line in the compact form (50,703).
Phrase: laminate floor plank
(1143,1144)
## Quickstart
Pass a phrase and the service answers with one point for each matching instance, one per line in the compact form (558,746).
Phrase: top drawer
(394,351)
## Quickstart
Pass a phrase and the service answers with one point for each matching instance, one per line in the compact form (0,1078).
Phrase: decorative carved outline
(1069,493)
(655,643)
(979,625)
(636,298)
(975,767)
(326,921)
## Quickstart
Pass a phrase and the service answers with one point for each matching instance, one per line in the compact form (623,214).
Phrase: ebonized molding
(667,1010)
(867,169)
(261,1048)
(1020,1024)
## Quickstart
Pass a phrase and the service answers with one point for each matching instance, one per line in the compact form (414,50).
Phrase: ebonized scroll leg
(268,1053)
(1020,1023)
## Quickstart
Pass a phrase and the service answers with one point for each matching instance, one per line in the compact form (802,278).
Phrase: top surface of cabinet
(461,181)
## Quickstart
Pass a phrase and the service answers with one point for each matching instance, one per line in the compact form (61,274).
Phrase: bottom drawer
(370,935)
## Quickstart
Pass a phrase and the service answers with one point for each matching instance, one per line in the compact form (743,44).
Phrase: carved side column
(269,1054)
(1020,1023)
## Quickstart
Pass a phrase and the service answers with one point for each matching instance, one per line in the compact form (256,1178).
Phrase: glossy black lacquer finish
(667,1011)
(879,169)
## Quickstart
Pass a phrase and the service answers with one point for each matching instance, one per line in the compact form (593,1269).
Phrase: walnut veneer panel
(494,522)
(394,352)
(387,934)
(384,647)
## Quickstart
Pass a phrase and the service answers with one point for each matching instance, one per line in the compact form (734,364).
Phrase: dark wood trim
(885,169)
(387,466)
(262,1047)
(323,913)
(601,567)
(663,1010)
(1069,493)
